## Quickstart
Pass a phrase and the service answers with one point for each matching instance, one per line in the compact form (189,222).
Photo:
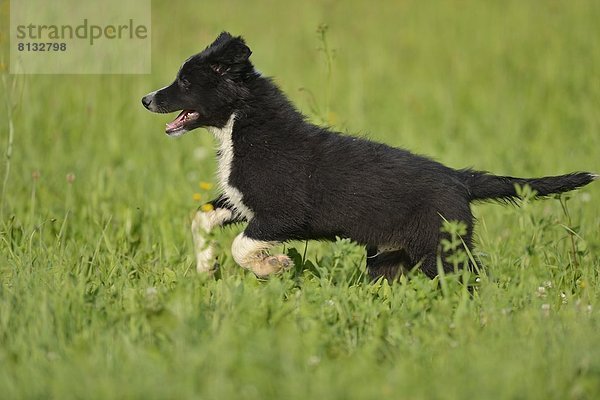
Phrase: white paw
(205,260)
(271,265)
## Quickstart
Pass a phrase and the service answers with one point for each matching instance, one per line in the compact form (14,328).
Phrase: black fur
(302,181)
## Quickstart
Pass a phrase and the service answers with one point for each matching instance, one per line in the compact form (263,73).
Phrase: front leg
(211,215)
(250,249)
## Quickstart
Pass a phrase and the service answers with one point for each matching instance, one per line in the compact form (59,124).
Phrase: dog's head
(208,86)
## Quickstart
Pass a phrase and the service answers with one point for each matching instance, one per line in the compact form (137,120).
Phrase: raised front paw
(206,262)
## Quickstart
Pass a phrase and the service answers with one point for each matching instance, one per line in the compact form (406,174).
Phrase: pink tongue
(177,122)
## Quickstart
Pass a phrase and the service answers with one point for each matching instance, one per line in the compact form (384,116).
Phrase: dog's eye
(219,69)
(183,82)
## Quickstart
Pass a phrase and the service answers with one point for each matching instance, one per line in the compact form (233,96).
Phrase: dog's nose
(146,101)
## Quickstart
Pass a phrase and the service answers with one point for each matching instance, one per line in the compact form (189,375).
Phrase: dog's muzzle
(148,101)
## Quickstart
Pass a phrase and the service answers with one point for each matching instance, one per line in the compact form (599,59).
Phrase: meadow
(99,297)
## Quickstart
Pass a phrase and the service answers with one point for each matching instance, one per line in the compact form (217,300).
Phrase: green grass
(98,294)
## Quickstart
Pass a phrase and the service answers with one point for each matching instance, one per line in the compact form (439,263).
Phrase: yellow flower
(197,197)
(207,207)
(205,185)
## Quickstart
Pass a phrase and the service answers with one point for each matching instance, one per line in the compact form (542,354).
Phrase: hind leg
(387,263)
(428,259)
(426,245)
(429,264)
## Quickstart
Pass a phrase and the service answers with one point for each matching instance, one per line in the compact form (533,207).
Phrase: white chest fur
(224,163)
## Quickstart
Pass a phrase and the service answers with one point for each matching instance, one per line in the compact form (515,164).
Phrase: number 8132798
(41,46)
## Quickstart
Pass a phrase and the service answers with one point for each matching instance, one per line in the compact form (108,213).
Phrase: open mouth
(182,122)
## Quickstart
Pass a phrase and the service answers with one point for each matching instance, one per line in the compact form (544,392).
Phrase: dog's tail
(485,186)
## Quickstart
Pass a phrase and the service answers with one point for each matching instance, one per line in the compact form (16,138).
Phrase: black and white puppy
(292,180)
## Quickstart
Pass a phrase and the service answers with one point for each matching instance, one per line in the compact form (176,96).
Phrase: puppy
(292,180)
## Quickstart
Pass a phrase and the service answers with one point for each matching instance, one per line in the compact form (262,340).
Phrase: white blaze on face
(224,161)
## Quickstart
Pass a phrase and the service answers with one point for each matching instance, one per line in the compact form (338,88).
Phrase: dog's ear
(233,51)
(220,40)
(229,53)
